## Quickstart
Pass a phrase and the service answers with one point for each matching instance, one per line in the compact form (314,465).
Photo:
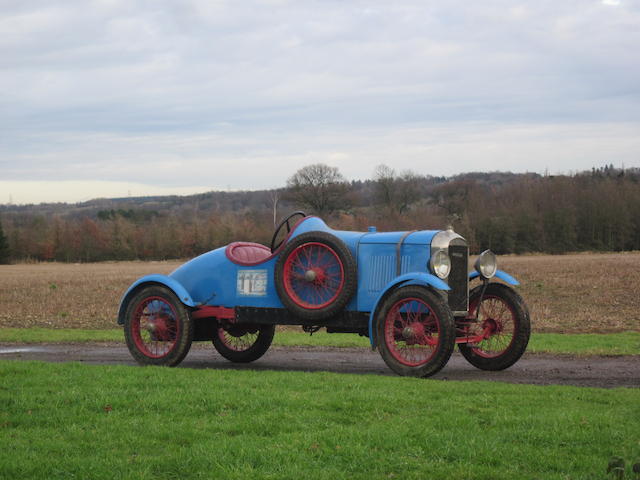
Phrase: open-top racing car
(409,292)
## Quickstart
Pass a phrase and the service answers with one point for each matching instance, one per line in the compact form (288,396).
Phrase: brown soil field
(565,293)
(587,292)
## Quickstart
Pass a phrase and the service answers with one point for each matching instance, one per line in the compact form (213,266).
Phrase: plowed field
(565,293)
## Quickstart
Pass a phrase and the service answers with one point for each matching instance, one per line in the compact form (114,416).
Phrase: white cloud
(233,160)
(245,93)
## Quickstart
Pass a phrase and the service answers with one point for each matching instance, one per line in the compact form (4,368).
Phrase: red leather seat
(247,253)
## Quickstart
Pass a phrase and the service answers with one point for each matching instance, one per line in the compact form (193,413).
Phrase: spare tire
(315,275)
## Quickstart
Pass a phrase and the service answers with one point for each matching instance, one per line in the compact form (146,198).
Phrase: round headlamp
(440,264)
(486,264)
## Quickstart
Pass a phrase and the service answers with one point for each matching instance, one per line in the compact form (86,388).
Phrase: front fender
(499,274)
(413,278)
(172,284)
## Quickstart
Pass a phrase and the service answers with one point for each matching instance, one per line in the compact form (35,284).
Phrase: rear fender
(504,276)
(173,285)
(414,278)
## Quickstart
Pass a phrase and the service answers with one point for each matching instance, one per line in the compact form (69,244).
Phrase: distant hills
(362,193)
(507,212)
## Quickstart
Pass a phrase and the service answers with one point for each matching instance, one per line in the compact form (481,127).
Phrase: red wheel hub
(490,327)
(415,334)
(316,275)
(495,327)
(155,327)
(411,332)
(159,328)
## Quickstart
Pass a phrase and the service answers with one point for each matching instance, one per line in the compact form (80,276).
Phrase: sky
(113,98)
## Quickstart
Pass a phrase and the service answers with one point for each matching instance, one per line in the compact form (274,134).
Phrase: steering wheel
(284,222)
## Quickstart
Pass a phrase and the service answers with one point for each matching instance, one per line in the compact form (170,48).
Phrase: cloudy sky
(116,98)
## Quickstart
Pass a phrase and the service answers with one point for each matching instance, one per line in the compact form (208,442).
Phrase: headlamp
(440,264)
(486,264)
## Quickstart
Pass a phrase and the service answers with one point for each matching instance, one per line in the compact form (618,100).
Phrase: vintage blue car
(408,292)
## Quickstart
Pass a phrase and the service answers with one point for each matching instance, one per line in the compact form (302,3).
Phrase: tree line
(509,213)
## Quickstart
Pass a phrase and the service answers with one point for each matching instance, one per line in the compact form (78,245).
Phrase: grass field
(78,421)
(625,343)
(566,293)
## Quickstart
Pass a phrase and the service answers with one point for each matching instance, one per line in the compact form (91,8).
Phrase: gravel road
(534,369)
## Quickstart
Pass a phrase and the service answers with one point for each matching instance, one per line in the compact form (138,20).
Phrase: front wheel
(503,323)
(243,343)
(158,328)
(415,332)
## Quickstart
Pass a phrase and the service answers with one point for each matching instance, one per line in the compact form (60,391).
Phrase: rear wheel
(243,343)
(158,329)
(503,322)
(415,332)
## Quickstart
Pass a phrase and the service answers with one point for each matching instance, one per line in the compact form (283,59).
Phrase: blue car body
(385,260)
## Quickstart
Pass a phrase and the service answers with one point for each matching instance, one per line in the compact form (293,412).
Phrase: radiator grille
(458,280)
(383,270)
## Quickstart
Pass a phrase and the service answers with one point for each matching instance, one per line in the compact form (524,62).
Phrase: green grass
(289,338)
(55,335)
(626,343)
(78,421)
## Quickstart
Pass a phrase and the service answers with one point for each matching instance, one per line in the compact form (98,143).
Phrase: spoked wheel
(158,329)
(502,323)
(415,332)
(243,343)
(315,275)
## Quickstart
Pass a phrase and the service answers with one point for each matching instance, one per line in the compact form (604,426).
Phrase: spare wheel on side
(315,275)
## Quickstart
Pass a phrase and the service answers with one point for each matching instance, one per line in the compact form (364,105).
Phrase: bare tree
(408,190)
(385,178)
(274,197)
(396,192)
(319,187)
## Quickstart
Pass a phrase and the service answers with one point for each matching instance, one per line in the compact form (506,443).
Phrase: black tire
(504,311)
(243,343)
(320,283)
(158,328)
(404,343)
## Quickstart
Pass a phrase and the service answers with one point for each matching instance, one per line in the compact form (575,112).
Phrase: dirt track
(606,372)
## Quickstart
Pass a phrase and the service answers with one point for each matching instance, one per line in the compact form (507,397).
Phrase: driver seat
(247,253)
